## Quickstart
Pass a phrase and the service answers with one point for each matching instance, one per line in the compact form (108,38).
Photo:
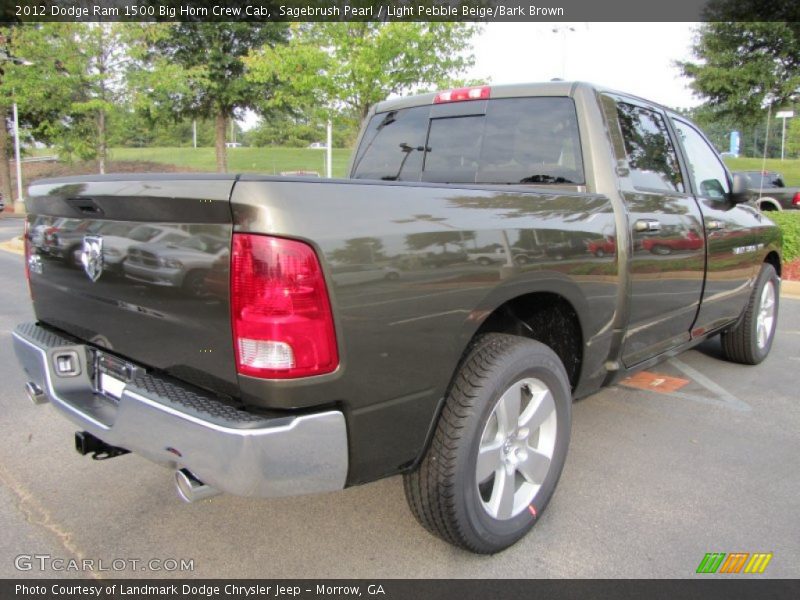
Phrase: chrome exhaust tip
(190,488)
(35,393)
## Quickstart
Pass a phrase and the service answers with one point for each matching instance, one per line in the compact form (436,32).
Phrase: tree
(742,67)
(196,70)
(37,64)
(793,135)
(99,89)
(349,67)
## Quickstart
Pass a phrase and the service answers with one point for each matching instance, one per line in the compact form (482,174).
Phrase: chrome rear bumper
(234,451)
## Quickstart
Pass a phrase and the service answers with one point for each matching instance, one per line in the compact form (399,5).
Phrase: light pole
(18,205)
(784,114)
(563,29)
(329,150)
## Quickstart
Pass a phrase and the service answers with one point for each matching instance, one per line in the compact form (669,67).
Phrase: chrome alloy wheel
(765,319)
(516,449)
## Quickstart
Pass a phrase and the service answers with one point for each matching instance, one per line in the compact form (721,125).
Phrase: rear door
(667,261)
(164,317)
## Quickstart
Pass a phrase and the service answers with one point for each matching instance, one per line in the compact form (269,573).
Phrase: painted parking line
(654,382)
(667,385)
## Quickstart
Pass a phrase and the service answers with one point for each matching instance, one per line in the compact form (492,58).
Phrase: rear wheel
(750,342)
(499,446)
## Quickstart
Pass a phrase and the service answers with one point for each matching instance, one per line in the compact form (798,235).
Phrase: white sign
(784,114)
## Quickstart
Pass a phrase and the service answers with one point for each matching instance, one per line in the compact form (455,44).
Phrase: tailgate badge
(92,256)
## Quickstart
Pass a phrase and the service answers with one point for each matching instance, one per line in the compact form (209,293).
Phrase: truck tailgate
(138,265)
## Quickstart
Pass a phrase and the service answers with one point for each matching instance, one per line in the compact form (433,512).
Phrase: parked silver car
(184,263)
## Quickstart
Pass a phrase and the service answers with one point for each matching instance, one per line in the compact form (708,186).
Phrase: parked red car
(608,245)
(668,245)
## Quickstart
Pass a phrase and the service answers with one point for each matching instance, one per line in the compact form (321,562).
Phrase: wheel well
(547,318)
(773,259)
(767,204)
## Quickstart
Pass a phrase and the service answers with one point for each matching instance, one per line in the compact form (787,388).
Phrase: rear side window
(650,153)
(705,168)
(516,141)
(764,180)
(393,146)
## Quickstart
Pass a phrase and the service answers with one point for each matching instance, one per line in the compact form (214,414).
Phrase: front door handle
(647,225)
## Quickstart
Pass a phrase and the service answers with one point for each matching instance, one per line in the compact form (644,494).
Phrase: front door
(729,232)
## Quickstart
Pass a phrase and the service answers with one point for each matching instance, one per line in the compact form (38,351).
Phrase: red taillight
(796,199)
(460,94)
(282,319)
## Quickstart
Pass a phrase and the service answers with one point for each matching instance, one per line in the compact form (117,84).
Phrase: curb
(790,289)
(14,245)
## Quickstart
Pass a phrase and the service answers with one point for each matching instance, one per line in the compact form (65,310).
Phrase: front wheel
(499,446)
(750,342)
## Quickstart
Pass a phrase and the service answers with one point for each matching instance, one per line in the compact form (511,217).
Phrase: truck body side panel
(413,271)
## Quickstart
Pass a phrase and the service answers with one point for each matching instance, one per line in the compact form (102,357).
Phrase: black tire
(444,493)
(484,262)
(599,253)
(742,344)
(661,250)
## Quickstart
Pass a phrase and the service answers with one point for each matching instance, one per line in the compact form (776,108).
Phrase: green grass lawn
(790,169)
(273,160)
(269,161)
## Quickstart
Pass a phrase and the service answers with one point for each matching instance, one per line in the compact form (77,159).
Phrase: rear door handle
(645,225)
(714,225)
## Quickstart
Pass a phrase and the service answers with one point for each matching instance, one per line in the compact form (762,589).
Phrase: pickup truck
(768,191)
(276,381)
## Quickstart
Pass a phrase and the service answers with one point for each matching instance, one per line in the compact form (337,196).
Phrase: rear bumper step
(225,448)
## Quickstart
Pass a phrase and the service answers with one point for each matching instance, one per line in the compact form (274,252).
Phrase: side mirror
(738,189)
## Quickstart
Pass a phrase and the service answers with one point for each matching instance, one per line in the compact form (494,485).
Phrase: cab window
(651,156)
(705,169)
(510,141)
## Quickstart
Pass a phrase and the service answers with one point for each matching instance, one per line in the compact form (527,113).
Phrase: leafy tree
(196,70)
(349,67)
(135,129)
(364,250)
(742,67)
(295,129)
(37,67)
(98,86)
(793,135)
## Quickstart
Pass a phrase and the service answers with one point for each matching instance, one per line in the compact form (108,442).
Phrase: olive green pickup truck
(434,315)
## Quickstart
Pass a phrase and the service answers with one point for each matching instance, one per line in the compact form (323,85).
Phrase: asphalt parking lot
(653,481)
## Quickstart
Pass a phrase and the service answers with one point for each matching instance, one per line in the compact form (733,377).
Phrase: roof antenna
(764,160)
